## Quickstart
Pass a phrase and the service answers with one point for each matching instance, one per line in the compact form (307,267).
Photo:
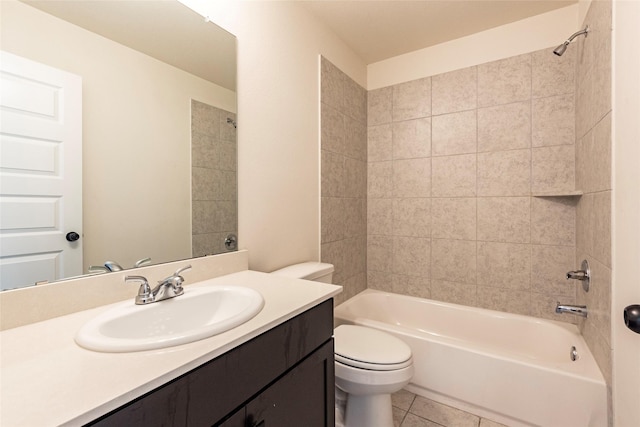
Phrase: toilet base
(372,410)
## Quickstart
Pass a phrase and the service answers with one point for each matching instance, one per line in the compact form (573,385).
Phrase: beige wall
(457,163)
(214,187)
(593,177)
(279,48)
(343,225)
(136,178)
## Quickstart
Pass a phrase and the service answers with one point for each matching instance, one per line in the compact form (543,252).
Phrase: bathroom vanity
(285,376)
(275,369)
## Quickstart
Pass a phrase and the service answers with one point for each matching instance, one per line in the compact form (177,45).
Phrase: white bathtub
(513,369)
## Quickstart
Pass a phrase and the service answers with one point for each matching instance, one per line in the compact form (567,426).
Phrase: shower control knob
(632,317)
(72,236)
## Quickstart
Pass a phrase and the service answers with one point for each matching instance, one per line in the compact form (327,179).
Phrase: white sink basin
(198,313)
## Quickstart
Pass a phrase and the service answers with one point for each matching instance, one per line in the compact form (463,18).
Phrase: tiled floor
(410,410)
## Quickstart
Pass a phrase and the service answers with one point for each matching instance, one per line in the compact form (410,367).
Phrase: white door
(626,211)
(40,172)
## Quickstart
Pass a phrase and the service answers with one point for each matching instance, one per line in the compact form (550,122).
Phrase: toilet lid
(369,348)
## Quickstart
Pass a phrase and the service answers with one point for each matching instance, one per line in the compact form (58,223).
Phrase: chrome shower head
(563,47)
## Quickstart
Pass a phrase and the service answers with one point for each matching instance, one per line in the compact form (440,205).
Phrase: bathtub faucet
(578,310)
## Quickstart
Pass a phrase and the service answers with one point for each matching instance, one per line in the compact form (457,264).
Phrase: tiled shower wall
(214,194)
(344,179)
(593,177)
(465,170)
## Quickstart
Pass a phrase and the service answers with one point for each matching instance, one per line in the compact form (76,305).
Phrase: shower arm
(585,31)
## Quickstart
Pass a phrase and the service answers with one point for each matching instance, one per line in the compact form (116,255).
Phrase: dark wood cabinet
(283,377)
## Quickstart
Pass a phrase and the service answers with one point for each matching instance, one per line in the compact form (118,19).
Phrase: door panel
(40,172)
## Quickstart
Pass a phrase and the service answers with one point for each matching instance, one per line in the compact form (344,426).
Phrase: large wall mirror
(158,130)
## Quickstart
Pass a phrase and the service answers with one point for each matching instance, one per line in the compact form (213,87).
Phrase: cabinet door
(304,396)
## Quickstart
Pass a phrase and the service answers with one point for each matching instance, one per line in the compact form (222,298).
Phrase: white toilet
(370,364)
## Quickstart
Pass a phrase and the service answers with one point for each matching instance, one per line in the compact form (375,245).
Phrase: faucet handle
(181,269)
(144,292)
(142,262)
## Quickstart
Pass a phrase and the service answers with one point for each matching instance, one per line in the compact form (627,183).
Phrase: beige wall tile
(504,219)
(380,180)
(455,91)
(332,129)
(504,173)
(380,253)
(207,244)
(553,169)
(552,74)
(355,142)
(333,219)
(205,118)
(228,214)
(380,143)
(453,292)
(443,414)
(415,286)
(355,257)
(205,184)
(454,134)
(504,81)
(355,217)
(584,226)
(453,176)
(412,139)
(332,174)
(599,164)
(504,265)
(412,100)
(379,106)
(553,221)
(205,216)
(332,82)
(380,216)
(601,225)
(584,171)
(553,120)
(355,100)
(598,300)
(355,175)
(453,260)
(379,280)
(549,266)
(504,127)
(509,300)
(412,217)
(411,256)
(453,218)
(412,178)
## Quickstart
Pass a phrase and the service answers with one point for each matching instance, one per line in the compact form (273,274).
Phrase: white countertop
(46,379)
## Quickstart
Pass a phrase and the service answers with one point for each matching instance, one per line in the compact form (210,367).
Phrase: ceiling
(378,30)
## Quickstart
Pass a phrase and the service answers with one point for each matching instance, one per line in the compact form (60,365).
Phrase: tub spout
(578,310)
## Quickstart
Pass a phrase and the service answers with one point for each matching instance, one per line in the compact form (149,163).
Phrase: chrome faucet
(578,310)
(584,275)
(169,287)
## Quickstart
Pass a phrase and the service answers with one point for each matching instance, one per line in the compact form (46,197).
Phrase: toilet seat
(370,349)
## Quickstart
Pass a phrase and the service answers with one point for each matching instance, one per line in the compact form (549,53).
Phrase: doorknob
(72,236)
(632,317)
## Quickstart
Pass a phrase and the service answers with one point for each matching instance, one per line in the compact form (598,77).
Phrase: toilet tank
(316,271)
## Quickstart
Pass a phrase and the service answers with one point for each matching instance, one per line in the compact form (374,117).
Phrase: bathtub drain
(574,353)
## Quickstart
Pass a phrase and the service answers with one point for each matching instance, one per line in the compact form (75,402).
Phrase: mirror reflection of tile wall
(214,189)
